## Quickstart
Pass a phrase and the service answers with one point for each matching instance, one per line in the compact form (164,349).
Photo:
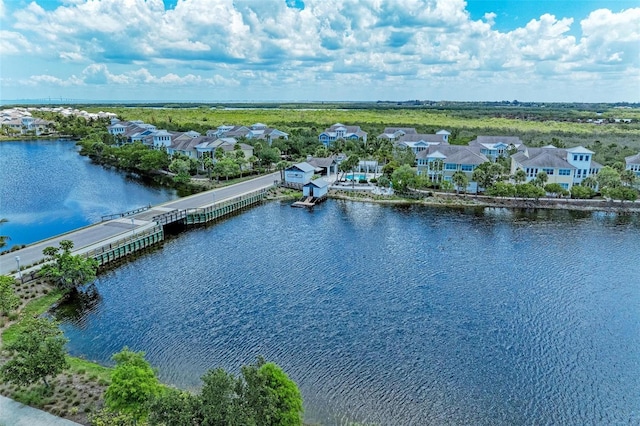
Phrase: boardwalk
(100,234)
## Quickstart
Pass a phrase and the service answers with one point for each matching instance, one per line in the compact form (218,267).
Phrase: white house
(566,167)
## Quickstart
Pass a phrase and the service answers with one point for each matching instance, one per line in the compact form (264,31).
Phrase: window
(564,185)
(564,172)
(575,157)
(586,158)
(467,168)
(450,166)
(549,172)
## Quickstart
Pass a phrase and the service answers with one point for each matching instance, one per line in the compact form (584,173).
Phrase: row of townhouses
(439,160)
(435,157)
(193,144)
(20,120)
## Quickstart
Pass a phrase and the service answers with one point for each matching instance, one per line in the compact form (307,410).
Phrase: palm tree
(460,180)
(519,176)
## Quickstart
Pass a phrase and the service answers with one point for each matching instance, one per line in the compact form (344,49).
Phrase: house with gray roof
(497,146)
(417,142)
(340,131)
(393,133)
(325,165)
(440,162)
(566,167)
(633,163)
(258,131)
(300,173)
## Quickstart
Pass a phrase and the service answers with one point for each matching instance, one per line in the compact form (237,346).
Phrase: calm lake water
(394,315)
(47,189)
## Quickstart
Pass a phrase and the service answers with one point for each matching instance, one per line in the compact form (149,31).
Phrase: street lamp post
(19,270)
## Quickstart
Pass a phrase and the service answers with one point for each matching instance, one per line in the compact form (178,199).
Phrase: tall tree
(460,180)
(520,176)
(608,177)
(222,399)
(274,398)
(175,407)
(133,384)
(39,352)
(403,177)
(67,271)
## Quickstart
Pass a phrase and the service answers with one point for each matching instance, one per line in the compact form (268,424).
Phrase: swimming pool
(356,176)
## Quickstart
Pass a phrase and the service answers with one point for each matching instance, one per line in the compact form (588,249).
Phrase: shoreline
(435,199)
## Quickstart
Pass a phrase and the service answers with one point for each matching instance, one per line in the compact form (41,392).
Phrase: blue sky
(320,50)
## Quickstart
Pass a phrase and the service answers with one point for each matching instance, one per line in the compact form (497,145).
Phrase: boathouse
(316,188)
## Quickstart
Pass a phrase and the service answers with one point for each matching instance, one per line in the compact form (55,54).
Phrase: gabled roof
(579,150)
(495,139)
(465,156)
(304,167)
(632,159)
(322,161)
(417,137)
(318,183)
(455,154)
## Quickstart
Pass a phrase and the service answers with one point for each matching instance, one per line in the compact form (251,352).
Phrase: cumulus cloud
(224,42)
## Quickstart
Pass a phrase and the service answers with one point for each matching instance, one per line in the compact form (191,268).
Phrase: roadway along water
(394,315)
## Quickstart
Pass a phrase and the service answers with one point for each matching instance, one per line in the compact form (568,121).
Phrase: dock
(309,201)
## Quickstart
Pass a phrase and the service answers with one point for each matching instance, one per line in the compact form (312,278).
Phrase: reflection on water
(47,189)
(394,315)
(77,307)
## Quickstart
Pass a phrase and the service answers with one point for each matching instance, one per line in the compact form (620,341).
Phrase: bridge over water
(119,237)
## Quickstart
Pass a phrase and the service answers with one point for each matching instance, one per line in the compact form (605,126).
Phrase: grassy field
(532,125)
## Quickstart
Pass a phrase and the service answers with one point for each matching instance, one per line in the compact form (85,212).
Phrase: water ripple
(394,315)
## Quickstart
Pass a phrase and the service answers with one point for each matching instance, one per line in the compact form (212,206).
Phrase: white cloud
(49,80)
(227,42)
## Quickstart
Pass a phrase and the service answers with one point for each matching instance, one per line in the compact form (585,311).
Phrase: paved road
(113,230)
(13,413)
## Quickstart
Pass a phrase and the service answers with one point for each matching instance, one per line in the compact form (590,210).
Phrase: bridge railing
(124,241)
(125,214)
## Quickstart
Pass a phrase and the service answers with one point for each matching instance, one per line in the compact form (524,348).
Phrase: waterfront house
(566,167)
(340,131)
(300,173)
(316,188)
(184,143)
(633,163)
(20,122)
(440,162)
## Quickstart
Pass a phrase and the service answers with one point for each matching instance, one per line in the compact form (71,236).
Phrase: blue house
(340,131)
(299,173)
(316,188)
